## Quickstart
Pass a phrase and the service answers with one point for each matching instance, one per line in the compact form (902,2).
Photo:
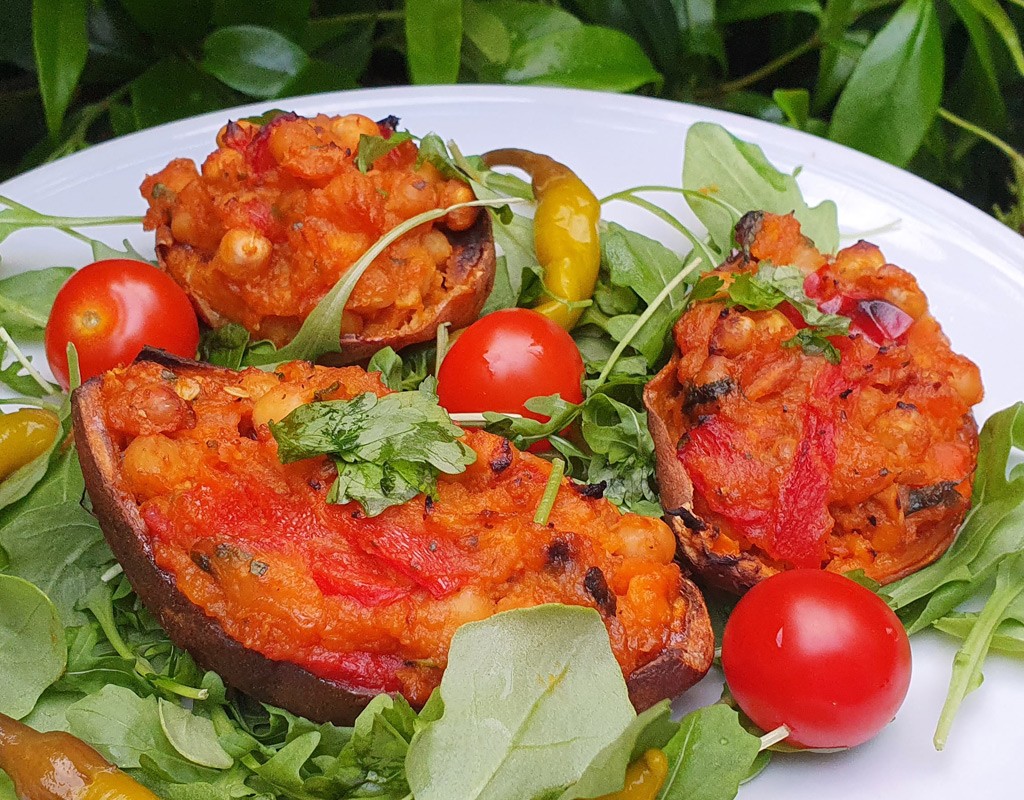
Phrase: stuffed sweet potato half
(782,445)
(280,211)
(317,607)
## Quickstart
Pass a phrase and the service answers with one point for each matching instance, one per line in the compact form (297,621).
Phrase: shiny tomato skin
(502,360)
(819,653)
(110,310)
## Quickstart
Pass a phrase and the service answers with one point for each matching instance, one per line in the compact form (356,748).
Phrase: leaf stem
(22,359)
(773,66)
(361,16)
(642,320)
(1011,153)
(547,502)
(668,219)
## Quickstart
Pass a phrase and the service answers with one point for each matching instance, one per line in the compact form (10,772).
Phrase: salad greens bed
(532,704)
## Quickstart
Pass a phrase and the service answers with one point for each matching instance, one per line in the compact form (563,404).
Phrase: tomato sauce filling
(280,211)
(369,602)
(855,465)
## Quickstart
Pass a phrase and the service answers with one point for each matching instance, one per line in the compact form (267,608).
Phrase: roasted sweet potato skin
(656,618)
(871,458)
(280,210)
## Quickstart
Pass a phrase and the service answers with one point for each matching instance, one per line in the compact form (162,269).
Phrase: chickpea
(24,436)
(346,130)
(734,335)
(279,402)
(966,381)
(244,249)
(644,537)
(153,466)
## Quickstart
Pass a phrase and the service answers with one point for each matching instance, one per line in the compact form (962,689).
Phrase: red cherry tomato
(819,653)
(501,361)
(110,310)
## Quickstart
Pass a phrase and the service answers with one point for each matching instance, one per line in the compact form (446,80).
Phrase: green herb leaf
(1008,637)
(373,147)
(15,217)
(723,167)
(26,300)
(774,285)
(899,77)
(257,61)
(520,717)
(61,44)
(709,757)
(387,449)
(33,653)
(433,37)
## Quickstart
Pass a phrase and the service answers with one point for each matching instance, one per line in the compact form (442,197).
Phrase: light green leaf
(53,542)
(433,39)
(530,698)
(725,168)
(192,736)
(61,44)
(257,61)
(1001,23)
(33,652)
(709,756)
(606,773)
(738,10)
(26,300)
(894,92)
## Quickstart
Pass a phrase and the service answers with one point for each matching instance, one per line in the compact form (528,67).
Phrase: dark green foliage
(906,81)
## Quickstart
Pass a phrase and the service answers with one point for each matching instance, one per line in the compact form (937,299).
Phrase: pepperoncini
(24,435)
(565,232)
(57,766)
(644,778)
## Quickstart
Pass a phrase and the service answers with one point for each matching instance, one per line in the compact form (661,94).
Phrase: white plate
(967,263)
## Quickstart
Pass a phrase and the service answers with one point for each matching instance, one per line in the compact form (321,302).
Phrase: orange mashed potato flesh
(281,210)
(370,602)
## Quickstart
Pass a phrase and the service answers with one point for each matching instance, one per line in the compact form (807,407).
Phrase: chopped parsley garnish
(387,449)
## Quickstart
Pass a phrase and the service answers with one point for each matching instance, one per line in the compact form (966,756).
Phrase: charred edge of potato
(276,682)
(664,399)
(468,282)
(469,279)
(683,662)
(934,527)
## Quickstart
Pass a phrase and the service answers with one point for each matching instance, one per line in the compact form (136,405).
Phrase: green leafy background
(933,85)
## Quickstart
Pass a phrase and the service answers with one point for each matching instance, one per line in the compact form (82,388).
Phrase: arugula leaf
(406,372)
(319,333)
(19,375)
(231,346)
(709,757)
(372,148)
(1008,636)
(623,454)
(102,251)
(499,718)
(17,217)
(33,653)
(723,167)
(814,343)
(606,773)
(1009,588)
(26,300)
(645,267)
(52,541)
(387,450)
